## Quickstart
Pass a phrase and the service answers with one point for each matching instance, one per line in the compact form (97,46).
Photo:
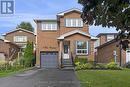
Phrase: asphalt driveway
(42,78)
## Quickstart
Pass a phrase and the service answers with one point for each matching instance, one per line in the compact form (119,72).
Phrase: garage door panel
(49,59)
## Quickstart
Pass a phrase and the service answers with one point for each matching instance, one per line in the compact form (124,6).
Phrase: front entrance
(66,52)
(128,55)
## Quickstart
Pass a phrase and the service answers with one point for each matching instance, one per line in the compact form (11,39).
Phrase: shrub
(127,65)
(113,66)
(77,63)
(84,66)
(80,60)
(28,54)
(101,66)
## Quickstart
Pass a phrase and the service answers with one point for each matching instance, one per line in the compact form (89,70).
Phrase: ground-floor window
(82,47)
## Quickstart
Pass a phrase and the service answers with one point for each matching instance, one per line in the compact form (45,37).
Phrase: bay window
(82,47)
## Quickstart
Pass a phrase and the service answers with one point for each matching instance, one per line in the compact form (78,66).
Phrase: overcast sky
(28,10)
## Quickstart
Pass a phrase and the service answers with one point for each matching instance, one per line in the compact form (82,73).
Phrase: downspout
(120,54)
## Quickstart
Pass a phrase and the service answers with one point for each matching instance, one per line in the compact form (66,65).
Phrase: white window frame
(110,37)
(20,38)
(52,26)
(73,22)
(87,49)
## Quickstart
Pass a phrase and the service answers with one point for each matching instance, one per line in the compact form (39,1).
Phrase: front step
(67,63)
(68,68)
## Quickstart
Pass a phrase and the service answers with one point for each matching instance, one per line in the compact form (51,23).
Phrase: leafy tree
(28,54)
(108,13)
(26,25)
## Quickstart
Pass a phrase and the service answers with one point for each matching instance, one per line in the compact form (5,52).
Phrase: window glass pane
(49,26)
(110,37)
(82,47)
(20,39)
(74,23)
(65,48)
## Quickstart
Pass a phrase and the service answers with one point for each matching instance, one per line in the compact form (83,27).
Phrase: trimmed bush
(101,66)
(80,60)
(113,66)
(84,66)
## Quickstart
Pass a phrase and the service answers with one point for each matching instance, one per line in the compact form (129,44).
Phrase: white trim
(73,22)
(18,30)
(94,38)
(73,9)
(73,32)
(87,49)
(127,55)
(49,26)
(19,39)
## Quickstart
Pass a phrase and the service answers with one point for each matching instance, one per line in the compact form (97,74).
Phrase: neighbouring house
(62,39)
(20,37)
(109,50)
(8,50)
(106,37)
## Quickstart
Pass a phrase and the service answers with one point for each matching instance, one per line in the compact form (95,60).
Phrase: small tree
(26,26)
(28,54)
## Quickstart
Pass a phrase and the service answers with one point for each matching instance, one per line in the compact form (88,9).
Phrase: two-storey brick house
(63,39)
(109,49)
(20,37)
(13,43)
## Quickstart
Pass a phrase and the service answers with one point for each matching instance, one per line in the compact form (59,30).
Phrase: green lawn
(104,78)
(12,72)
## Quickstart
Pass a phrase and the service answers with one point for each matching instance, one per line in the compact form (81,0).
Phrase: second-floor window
(20,38)
(110,37)
(73,22)
(49,26)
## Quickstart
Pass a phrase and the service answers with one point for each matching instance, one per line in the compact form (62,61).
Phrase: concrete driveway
(42,78)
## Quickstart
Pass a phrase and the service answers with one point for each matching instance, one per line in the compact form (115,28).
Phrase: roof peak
(19,29)
(69,10)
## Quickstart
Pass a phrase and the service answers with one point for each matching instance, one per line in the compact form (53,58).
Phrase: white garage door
(2,57)
(128,55)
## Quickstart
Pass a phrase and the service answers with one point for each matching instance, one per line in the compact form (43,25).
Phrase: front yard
(13,71)
(104,78)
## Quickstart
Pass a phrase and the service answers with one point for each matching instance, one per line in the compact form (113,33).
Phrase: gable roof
(106,34)
(19,29)
(107,43)
(45,20)
(67,11)
(75,32)
(7,41)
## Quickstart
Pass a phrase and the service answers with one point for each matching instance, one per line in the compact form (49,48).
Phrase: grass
(12,72)
(104,78)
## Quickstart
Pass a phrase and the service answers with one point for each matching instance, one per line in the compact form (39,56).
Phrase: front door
(66,52)
(127,55)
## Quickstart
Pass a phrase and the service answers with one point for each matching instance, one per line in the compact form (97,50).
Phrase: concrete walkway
(42,78)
